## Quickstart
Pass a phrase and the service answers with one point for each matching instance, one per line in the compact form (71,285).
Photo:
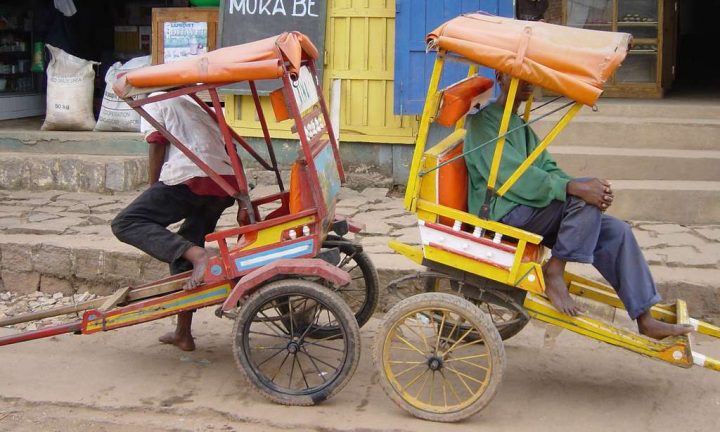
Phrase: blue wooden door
(413,20)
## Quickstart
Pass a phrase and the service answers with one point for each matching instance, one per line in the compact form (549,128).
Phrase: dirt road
(124,380)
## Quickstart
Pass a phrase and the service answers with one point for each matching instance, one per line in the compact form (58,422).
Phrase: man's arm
(535,188)
(156,155)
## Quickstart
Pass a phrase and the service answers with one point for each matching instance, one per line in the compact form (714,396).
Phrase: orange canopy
(257,60)
(571,61)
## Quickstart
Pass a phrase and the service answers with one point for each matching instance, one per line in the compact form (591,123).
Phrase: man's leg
(200,222)
(619,259)
(571,228)
(144,222)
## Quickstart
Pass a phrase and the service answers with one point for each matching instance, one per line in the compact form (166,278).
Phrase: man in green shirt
(567,212)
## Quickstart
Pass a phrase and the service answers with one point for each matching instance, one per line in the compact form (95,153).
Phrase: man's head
(524,91)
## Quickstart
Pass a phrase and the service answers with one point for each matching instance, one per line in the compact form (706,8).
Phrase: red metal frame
(310,267)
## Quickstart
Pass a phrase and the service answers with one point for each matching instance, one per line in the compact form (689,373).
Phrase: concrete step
(595,130)
(75,173)
(26,137)
(667,108)
(639,164)
(681,202)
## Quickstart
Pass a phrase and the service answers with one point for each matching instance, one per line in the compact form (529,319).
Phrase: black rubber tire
(370,280)
(471,314)
(347,330)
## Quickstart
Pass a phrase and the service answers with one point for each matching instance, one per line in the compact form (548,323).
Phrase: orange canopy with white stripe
(263,59)
(571,61)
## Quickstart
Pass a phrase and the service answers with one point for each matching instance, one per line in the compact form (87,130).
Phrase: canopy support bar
(550,137)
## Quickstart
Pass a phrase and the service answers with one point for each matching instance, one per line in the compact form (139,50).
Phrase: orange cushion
(300,194)
(452,182)
(456,99)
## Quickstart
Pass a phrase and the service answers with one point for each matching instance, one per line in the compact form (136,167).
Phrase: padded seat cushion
(457,99)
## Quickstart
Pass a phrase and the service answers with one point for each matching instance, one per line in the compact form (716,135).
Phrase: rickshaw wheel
(363,292)
(432,373)
(292,366)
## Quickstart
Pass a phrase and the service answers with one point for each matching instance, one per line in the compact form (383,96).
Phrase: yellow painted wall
(360,51)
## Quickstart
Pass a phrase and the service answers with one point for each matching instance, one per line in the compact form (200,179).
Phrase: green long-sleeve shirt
(542,183)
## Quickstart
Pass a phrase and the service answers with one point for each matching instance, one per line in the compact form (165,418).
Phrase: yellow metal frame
(526,274)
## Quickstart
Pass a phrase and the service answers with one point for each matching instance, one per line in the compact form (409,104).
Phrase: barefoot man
(567,212)
(178,190)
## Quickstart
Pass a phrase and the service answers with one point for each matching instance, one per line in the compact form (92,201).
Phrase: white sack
(69,92)
(115,114)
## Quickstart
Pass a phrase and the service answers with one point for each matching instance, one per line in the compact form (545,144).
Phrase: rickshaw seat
(450,186)
(299,191)
(457,99)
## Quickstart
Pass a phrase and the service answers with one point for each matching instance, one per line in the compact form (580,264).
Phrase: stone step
(681,202)
(61,142)
(668,107)
(639,164)
(595,130)
(75,173)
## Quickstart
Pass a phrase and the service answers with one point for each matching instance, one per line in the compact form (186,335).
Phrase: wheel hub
(435,363)
(293,347)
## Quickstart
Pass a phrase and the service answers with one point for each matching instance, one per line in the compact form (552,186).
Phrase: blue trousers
(579,232)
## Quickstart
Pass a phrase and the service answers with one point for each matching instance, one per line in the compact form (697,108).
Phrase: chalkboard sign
(243,21)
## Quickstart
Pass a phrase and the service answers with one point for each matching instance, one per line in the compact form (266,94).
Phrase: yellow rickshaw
(439,351)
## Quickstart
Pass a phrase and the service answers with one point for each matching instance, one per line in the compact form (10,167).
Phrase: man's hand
(597,192)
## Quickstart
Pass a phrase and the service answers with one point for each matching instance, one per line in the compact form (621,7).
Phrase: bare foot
(650,327)
(184,342)
(198,257)
(556,290)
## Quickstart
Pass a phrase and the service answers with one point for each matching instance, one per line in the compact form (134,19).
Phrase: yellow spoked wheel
(439,356)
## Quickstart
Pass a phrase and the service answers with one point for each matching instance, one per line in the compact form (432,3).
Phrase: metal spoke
(315,317)
(292,328)
(417,395)
(282,332)
(467,387)
(420,335)
(458,341)
(320,373)
(477,341)
(409,344)
(323,346)
(466,357)
(397,375)
(413,381)
(464,375)
(442,325)
(452,387)
(266,334)
(307,386)
(280,367)
(268,359)
(292,370)
(319,359)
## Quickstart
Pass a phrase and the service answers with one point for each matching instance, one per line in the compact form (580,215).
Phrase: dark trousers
(579,232)
(144,222)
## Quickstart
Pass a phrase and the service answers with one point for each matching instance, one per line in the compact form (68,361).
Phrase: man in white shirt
(179,190)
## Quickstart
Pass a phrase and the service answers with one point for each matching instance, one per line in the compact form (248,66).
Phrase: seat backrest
(446,185)
(458,98)
(300,192)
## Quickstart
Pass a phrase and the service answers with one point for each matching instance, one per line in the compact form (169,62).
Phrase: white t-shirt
(193,127)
